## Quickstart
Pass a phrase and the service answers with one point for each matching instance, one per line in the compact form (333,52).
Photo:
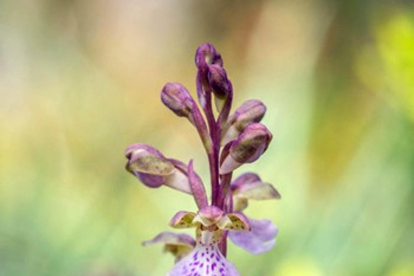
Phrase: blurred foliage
(80,81)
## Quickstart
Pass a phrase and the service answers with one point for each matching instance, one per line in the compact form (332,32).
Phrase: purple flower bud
(220,85)
(251,111)
(205,55)
(247,148)
(154,170)
(146,159)
(177,98)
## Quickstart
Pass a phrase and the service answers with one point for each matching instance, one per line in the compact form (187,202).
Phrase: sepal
(179,245)
(234,222)
(260,239)
(249,186)
(183,219)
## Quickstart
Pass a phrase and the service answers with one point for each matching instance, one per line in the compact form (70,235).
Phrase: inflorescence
(229,141)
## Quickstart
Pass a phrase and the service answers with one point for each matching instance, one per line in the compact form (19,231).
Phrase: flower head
(244,140)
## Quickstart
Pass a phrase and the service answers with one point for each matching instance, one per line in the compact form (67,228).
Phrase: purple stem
(202,87)
(201,126)
(223,244)
(197,187)
(224,189)
(228,208)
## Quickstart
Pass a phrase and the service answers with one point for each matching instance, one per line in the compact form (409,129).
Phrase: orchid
(230,141)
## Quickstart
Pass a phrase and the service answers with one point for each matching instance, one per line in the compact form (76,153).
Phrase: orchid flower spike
(244,140)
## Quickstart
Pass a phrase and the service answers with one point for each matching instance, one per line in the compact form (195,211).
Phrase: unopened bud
(247,148)
(251,111)
(177,98)
(205,55)
(154,170)
(220,85)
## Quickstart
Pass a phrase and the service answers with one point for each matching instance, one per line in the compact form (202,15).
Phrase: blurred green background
(80,81)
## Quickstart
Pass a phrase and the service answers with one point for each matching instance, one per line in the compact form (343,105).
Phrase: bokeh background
(80,81)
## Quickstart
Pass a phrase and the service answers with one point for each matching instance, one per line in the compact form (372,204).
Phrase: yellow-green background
(80,81)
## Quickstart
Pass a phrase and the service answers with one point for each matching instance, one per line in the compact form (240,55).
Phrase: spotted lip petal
(204,260)
(260,239)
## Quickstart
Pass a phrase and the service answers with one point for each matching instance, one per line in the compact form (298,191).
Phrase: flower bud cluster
(230,141)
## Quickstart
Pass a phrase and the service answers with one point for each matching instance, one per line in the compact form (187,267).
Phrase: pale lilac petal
(249,186)
(172,238)
(178,180)
(180,245)
(204,261)
(149,180)
(260,239)
(245,179)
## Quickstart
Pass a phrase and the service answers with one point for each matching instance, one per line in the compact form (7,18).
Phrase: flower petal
(244,179)
(250,186)
(240,203)
(149,180)
(260,239)
(204,260)
(180,245)
(183,219)
(234,222)
(258,191)
(178,180)
(209,215)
